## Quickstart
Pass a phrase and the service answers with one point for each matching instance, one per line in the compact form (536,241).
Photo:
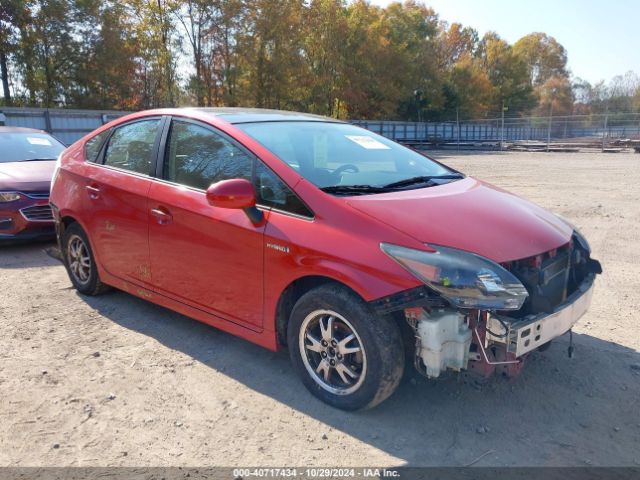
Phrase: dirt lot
(114,380)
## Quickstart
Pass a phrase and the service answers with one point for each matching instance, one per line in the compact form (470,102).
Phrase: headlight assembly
(6,197)
(465,279)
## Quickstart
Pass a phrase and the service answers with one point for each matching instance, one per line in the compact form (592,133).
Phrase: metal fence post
(458,128)
(604,130)
(47,121)
(502,128)
(549,127)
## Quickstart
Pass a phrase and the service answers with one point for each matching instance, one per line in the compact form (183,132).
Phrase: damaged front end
(477,315)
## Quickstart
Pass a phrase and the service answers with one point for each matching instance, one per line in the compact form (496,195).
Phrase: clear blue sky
(602,37)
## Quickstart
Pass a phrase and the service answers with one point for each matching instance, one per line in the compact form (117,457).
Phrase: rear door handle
(94,192)
(162,216)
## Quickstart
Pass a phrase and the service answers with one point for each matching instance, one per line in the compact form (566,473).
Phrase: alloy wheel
(79,259)
(332,352)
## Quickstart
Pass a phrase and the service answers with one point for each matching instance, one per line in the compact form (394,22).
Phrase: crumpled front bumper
(524,335)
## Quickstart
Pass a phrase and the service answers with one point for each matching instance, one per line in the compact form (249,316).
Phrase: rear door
(210,258)
(117,190)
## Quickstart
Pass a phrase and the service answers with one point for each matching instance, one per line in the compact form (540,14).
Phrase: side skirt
(264,338)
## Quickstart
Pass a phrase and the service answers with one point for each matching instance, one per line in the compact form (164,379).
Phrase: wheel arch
(290,295)
(66,220)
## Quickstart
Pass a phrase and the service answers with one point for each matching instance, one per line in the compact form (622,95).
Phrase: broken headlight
(577,234)
(465,279)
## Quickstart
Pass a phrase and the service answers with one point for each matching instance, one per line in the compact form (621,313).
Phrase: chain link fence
(607,132)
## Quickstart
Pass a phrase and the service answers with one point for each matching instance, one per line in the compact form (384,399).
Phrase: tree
(156,79)
(412,31)
(103,77)
(47,50)
(271,50)
(198,18)
(508,74)
(342,58)
(11,13)
(325,33)
(455,43)
(544,56)
(468,89)
(555,94)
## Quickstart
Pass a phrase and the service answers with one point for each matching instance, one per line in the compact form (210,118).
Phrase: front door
(210,258)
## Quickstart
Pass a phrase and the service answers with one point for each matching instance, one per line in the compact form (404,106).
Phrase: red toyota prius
(295,230)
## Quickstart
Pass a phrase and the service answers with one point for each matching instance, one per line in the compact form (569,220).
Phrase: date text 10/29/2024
(337,473)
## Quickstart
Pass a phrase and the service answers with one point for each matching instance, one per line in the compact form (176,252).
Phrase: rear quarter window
(93,146)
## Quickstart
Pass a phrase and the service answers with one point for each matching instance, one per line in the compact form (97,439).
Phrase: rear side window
(131,146)
(93,145)
(273,192)
(198,156)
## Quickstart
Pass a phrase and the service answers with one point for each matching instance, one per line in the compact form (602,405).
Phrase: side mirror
(236,193)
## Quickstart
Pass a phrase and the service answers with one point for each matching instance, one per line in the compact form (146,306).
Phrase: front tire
(80,262)
(345,354)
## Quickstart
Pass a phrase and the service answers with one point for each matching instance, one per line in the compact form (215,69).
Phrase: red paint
(176,247)
(206,257)
(234,193)
(470,215)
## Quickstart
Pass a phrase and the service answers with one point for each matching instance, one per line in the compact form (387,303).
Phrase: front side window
(273,192)
(334,155)
(198,157)
(131,146)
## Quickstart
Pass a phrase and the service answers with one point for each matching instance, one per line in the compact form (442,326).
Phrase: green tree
(157,43)
(468,89)
(12,15)
(414,73)
(508,74)
(48,50)
(271,53)
(544,56)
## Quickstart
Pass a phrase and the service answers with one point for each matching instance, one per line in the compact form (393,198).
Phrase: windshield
(336,156)
(22,146)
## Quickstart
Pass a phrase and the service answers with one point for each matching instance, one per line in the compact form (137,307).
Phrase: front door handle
(94,191)
(163,217)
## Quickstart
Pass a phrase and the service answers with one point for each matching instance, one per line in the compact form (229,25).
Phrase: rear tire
(80,262)
(344,353)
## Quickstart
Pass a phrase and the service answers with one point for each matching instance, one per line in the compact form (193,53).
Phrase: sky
(602,38)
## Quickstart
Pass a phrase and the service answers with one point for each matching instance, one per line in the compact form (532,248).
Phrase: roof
(249,115)
(20,130)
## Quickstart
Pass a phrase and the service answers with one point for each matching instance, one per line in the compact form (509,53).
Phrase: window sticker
(369,143)
(39,141)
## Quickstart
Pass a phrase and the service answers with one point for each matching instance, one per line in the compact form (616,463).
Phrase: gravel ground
(114,380)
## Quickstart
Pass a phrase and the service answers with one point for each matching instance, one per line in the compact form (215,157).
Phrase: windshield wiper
(356,189)
(423,179)
(38,160)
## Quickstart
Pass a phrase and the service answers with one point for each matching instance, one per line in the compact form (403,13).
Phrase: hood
(469,215)
(32,176)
